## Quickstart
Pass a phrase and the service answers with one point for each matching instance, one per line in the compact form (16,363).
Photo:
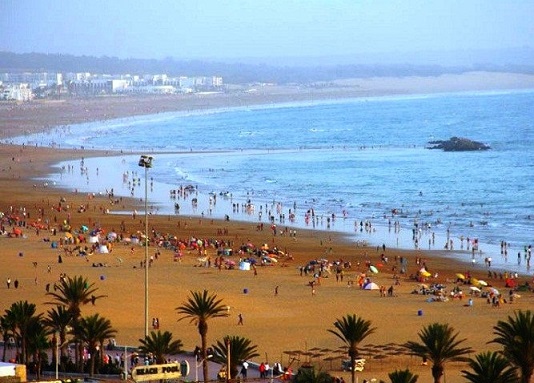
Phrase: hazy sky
(221,29)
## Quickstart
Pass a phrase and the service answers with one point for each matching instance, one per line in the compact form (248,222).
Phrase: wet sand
(294,320)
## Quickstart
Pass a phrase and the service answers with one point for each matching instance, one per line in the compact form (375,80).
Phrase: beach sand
(294,320)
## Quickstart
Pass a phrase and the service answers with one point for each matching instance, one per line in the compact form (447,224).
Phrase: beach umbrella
(474,281)
(425,274)
(460,276)
(482,283)
(493,290)
(474,288)
(373,269)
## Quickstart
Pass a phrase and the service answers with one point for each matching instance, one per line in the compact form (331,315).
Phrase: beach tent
(373,269)
(371,286)
(103,249)
(244,265)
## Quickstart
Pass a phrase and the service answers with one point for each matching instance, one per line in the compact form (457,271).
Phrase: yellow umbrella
(474,281)
(425,274)
(460,276)
(482,283)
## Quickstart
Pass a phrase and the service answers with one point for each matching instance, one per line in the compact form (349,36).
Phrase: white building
(17,92)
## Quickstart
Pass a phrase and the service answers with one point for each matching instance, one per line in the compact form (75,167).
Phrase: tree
(58,321)
(6,327)
(402,376)
(309,375)
(241,349)
(20,315)
(352,330)
(199,308)
(160,344)
(490,367)
(439,345)
(38,344)
(73,293)
(93,332)
(516,336)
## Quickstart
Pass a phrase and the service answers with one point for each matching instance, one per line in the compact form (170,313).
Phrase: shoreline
(292,320)
(160,203)
(15,118)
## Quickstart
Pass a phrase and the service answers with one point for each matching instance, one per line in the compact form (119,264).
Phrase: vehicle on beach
(358,365)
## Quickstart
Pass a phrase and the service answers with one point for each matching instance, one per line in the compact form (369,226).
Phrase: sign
(156,372)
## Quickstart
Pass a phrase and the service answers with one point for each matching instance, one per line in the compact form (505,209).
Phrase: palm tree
(402,376)
(58,321)
(160,344)
(516,335)
(199,308)
(490,367)
(352,330)
(6,327)
(439,345)
(21,314)
(73,293)
(93,332)
(241,349)
(38,344)
(309,375)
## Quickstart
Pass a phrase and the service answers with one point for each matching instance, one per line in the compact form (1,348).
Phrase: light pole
(198,364)
(57,354)
(228,362)
(146,162)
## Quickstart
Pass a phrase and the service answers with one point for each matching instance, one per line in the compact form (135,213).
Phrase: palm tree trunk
(93,354)
(204,357)
(38,367)
(437,373)
(352,369)
(203,331)
(4,349)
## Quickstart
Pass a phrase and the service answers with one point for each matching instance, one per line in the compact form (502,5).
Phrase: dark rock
(457,144)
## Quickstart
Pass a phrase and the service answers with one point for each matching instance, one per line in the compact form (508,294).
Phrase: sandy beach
(288,327)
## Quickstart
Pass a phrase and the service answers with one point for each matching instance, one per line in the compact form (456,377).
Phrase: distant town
(28,86)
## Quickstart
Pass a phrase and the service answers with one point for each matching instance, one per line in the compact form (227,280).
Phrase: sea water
(348,161)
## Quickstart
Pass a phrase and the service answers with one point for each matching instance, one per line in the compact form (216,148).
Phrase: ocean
(348,162)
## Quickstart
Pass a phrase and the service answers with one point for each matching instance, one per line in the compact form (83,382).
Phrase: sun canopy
(371,286)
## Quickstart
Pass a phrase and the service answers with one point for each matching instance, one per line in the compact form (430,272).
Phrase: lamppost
(198,364)
(228,361)
(146,162)
(56,337)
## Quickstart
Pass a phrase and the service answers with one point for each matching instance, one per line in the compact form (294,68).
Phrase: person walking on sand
(276,291)
(8,282)
(240,319)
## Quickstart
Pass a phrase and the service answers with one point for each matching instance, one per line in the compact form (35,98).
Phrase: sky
(233,29)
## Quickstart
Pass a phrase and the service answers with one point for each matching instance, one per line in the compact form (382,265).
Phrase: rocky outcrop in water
(457,144)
